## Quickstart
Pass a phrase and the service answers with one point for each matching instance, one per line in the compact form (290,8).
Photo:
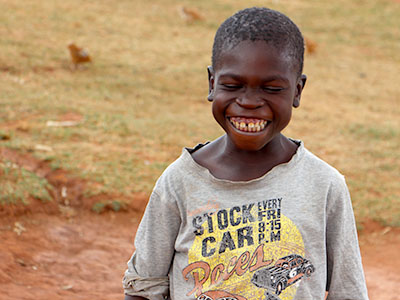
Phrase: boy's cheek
(226,96)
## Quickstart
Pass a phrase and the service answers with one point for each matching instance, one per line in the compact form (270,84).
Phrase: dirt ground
(51,256)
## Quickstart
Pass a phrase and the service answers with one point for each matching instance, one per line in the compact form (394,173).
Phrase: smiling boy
(253,214)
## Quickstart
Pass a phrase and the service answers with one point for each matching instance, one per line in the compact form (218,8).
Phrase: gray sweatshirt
(289,234)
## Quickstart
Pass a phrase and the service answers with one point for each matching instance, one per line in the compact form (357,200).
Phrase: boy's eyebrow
(266,79)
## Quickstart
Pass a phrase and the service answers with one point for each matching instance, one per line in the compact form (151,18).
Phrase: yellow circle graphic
(230,249)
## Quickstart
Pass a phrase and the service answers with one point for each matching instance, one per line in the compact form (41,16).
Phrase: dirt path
(53,257)
(380,251)
(56,258)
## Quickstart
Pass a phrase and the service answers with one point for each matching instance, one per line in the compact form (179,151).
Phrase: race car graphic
(286,271)
(219,295)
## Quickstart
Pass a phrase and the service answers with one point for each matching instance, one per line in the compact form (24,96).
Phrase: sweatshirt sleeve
(148,268)
(345,276)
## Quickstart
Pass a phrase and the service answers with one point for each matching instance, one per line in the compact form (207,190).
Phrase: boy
(253,214)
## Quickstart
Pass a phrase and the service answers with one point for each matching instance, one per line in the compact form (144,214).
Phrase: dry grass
(144,97)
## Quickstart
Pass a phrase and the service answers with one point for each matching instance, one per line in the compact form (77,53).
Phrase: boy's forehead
(254,53)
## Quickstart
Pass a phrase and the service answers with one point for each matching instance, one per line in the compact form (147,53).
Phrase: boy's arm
(148,268)
(345,278)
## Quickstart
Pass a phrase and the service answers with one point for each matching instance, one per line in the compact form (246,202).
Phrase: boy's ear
(210,71)
(299,89)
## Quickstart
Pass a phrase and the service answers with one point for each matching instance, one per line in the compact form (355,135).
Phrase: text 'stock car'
(219,295)
(286,271)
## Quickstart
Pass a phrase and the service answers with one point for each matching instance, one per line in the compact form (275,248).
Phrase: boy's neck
(225,161)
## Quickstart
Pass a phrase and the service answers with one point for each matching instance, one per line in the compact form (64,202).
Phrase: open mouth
(248,124)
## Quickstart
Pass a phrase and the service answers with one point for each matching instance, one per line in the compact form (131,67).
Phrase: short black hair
(260,24)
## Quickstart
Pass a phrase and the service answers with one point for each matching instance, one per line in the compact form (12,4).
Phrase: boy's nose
(249,100)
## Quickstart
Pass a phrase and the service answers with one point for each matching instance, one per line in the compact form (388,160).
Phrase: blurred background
(98,97)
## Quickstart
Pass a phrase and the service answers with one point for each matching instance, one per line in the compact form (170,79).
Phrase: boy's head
(260,24)
(256,77)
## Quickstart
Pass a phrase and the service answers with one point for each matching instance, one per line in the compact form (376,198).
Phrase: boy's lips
(248,124)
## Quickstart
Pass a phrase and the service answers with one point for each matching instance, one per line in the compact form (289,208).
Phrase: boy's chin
(248,144)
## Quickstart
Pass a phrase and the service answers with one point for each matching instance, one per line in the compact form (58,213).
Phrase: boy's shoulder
(321,171)
(184,163)
(181,169)
(315,161)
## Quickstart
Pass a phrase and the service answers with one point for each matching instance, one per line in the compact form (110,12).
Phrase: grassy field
(144,96)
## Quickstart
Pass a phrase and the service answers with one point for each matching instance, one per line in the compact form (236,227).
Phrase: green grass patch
(17,185)
(113,205)
(375,132)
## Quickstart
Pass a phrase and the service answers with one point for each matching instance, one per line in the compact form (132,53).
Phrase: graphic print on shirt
(246,252)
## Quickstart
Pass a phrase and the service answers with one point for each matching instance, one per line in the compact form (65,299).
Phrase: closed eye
(231,86)
(272,89)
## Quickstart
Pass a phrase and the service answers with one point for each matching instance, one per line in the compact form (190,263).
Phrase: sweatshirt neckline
(275,171)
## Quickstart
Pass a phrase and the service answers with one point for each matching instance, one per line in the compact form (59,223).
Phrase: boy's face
(253,90)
